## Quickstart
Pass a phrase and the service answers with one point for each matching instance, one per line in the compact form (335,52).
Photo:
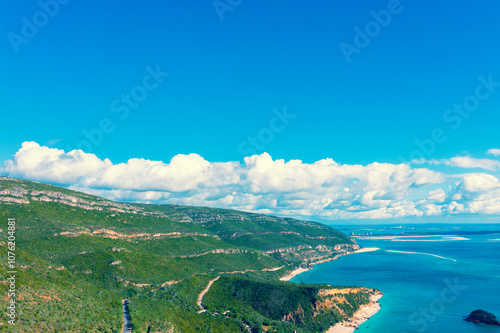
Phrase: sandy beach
(367,249)
(301,270)
(294,273)
(362,315)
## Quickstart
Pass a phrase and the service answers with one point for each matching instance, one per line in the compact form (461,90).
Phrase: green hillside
(78,256)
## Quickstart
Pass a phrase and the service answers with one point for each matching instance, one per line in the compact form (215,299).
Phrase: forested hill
(79,255)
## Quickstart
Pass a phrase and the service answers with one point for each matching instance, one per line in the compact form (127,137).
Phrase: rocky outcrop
(12,200)
(197,216)
(290,249)
(483,317)
(108,233)
(214,251)
(295,317)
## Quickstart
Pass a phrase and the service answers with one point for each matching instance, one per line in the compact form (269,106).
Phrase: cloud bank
(324,189)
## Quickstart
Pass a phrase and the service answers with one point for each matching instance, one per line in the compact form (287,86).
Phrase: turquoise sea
(444,278)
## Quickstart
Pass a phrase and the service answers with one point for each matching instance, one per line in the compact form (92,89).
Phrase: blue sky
(229,78)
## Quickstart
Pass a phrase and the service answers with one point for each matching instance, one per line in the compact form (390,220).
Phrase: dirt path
(200,296)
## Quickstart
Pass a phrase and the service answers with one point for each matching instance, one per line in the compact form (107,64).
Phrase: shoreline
(301,270)
(294,273)
(364,313)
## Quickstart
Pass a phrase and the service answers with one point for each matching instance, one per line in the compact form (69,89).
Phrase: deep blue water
(423,293)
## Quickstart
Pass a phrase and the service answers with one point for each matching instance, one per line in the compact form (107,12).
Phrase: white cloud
(479,182)
(268,175)
(470,162)
(465,162)
(494,151)
(432,210)
(323,189)
(36,162)
(183,173)
(476,193)
(437,195)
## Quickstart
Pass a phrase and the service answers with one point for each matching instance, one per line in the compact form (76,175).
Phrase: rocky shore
(362,315)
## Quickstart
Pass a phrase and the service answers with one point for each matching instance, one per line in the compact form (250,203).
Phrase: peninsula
(95,264)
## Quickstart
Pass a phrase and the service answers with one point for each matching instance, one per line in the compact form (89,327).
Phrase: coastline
(301,270)
(364,313)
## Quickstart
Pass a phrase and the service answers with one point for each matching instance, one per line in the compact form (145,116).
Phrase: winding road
(127,326)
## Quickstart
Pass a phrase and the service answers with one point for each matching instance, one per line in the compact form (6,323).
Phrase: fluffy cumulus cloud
(183,173)
(323,189)
(476,193)
(36,162)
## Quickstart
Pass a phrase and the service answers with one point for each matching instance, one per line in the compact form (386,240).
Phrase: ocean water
(430,284)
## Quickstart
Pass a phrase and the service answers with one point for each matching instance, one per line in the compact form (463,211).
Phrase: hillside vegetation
(78,256)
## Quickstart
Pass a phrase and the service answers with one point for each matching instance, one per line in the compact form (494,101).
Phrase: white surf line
(381,237)
(443,239)
(416,238)
(200,296)
(426,254)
